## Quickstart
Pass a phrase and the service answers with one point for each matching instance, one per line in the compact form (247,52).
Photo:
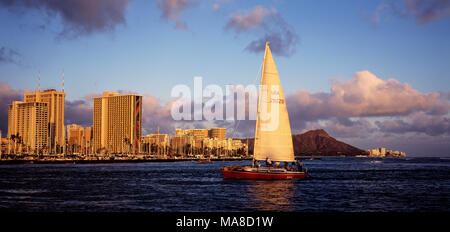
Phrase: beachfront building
(216,132)
(117,123)
(156,143)
(28,127)
(79,139)
(198,135)
(193,138)
(75,139)
(208,142)
(55,102)
(189,141)
(4,146)
(383,152)
(228,147)
(183,144)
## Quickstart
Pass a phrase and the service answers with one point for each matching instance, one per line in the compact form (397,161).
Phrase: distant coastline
(311,145)
(145,160)
(97,161)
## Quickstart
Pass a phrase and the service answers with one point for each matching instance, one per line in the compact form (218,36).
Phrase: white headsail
(273,138)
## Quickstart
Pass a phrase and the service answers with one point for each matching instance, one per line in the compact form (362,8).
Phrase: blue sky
(336,40)
(144,53)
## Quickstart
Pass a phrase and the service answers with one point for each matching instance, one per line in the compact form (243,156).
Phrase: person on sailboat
(299,165)
(268,162)
(286,166)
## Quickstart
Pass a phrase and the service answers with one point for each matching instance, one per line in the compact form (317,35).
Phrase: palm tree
(127,141)
(13,138)
(18,138)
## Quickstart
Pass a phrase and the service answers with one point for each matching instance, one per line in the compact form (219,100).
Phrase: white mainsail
(273,138)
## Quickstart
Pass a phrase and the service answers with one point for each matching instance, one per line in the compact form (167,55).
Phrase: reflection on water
(272,195)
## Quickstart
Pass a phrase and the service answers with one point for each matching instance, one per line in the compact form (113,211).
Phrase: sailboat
(273,138)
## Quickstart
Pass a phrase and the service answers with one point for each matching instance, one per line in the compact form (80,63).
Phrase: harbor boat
(273,138)
(262,173)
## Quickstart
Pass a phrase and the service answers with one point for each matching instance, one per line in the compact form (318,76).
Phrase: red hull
(235,174)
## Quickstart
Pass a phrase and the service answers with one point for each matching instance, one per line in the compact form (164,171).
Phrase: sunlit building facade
(210,142)
(156,143)
(28,126)
(219,133)
(117,123)
(75,138)
(198,135)
(56,129)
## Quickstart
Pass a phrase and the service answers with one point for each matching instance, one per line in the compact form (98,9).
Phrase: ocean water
(334,184)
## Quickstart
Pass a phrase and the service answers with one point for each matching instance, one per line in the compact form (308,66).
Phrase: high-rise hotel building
(55,101)
(117,123)
(75,138)
(27,126)
(219,133)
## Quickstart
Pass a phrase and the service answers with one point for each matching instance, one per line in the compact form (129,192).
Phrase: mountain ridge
(318,143)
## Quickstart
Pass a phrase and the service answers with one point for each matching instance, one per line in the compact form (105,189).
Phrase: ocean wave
(23,191)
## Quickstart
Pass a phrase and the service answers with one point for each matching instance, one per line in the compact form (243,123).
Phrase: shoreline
(144,160)
(80,161)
